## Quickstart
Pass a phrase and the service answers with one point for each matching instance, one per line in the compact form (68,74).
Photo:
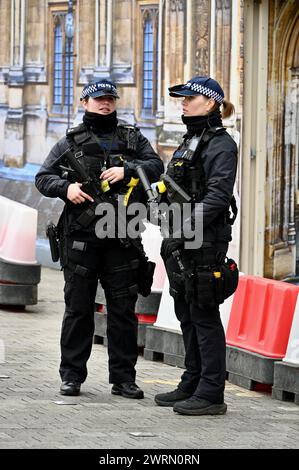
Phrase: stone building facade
(249,46)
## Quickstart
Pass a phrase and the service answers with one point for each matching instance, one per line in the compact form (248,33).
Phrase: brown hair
(227,110)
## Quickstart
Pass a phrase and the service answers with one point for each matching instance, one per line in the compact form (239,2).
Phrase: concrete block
(17,294)
(286,382)
(248,365)
(19,273)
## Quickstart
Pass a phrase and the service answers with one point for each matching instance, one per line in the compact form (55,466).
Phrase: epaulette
(74,130)
(122,123)
(79,133)
(211,132)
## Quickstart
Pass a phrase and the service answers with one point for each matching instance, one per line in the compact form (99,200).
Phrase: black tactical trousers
(115,266)
(203,336)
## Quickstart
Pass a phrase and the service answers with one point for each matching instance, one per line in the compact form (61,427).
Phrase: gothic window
(69,67)
(63,67)
(150,60)
(57,65)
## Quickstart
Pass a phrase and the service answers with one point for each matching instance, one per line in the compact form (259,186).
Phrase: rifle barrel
(146,184)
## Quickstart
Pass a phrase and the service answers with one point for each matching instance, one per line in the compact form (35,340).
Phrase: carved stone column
(5,32)
(35,53)
(104,41)
(35,74)
(14,123)
(175,60)
(122,49)
(222,46)
(200,50)
(175,16)
(86,40)
(176,40)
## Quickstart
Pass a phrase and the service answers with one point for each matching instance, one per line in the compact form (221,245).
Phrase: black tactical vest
(111,149)
(96,154)
(186,168)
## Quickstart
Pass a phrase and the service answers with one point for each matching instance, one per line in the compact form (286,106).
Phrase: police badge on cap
(199,86)
(101,88)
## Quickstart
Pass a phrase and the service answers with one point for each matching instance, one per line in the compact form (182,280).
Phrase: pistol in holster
(52,234)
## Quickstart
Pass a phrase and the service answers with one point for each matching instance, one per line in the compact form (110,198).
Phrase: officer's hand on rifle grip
(113,174)
(76,195)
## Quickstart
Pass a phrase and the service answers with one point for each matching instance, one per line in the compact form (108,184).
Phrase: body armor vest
(186,168)
(96,154)
(109,150)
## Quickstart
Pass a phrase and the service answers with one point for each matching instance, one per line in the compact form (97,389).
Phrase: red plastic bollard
(261,316)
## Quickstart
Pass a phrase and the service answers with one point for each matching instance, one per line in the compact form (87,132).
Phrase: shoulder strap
(129,134)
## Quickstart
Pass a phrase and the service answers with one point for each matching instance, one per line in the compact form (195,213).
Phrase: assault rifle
(70,163)
(97,190)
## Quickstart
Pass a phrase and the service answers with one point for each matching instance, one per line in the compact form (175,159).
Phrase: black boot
(196,406)
(170,398)
(70,388)
(127,390)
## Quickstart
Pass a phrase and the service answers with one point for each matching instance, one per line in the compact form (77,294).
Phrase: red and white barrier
(292,352)
(152,239)
(18,226)
(262,315)
(166,317)
(19,270)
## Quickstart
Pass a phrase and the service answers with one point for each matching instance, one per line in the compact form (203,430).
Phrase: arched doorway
(282,211)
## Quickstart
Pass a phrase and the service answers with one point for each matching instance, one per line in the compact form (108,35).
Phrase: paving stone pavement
(30,418)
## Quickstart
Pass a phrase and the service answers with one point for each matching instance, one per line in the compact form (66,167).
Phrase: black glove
(169,245)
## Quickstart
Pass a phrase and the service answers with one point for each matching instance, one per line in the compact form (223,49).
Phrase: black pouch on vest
(229,280)
(146,277)
(216,283)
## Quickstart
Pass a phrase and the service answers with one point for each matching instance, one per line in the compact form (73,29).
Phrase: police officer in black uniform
(205,167)
(108,150)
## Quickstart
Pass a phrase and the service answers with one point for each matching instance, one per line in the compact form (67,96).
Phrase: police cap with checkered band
(199,86)
(103,87)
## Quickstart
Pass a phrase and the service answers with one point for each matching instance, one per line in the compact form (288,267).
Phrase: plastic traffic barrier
(18,225)
(292,353)
(19,270)
(262,315)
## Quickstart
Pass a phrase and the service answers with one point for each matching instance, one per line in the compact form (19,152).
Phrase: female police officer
(204,166)
(108,151)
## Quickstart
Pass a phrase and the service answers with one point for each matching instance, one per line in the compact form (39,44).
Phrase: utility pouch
(205,286)
(228,282)
(87,217)
(115,160)
(216,283)
(52,234)
(146,277)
